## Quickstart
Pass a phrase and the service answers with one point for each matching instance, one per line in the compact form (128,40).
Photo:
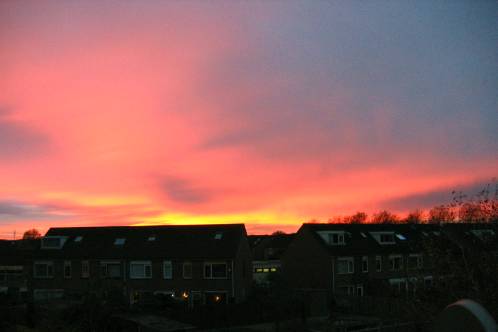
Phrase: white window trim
(144,264)
(420,262)
(170,263)
(349,260)
(47,276)
(211,264)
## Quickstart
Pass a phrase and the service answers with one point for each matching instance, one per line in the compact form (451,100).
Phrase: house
(199,264)
(14,256)
(267,251)
(364,259)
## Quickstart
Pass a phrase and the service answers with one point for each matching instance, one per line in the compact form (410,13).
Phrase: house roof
(144,242)
(15,252)
(269,246)
(408,238)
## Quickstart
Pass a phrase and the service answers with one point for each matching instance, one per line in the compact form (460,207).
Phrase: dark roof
(266,247)
(182,242)
(15,252)
(359,239)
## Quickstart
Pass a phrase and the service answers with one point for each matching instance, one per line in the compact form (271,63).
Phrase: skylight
(151,238)
(218,236)
(363,235)
(119,241)
(78,239)
(401,237)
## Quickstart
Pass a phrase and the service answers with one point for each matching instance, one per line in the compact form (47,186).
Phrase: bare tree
(31,234)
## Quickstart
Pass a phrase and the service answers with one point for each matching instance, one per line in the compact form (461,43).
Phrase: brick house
(374,259)
(199,263)
(267,251)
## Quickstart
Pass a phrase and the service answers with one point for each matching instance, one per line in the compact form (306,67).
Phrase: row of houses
(210,264)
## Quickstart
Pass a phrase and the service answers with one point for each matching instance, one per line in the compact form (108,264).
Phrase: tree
(31,234)
(441,214)
(414,217)
(357,218)
(385,217)
(278,232)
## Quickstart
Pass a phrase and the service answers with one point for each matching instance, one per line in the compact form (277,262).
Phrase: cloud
(11,210)
(19,140)
(180,190)
(429,199)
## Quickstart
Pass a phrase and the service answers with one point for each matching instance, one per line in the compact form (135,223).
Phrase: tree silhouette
(31,234)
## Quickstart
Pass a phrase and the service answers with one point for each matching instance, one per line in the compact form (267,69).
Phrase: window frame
(378,267)
(85,272)
(104,265)
(49,272)
(364,259)
(68,264)
(144,264)
(392,259)
(341,238)
(170,264)
(209,265)
(184,265)
(350,264)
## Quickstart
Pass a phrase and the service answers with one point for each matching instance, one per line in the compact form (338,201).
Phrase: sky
(270,113)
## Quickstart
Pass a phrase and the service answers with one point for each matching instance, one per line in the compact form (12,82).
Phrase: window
(52,242)
(215,270)
(378,263)
(67,269)
(151,238)
(364,264)
(111,269)
(336,238)
(396,262)
(386,238)
(78,239)
(85,269)
(218,236)
(359,290)
(401,237)
(187,270)
(44,270)
(119,241)
(168,270)
(345,265)
(346,290)
(140,270)
(415,262)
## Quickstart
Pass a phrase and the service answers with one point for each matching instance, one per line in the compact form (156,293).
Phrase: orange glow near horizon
(173,113)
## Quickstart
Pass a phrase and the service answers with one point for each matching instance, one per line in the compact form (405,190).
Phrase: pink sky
(271,114)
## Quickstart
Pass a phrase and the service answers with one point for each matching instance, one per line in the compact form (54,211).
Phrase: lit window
(218,236)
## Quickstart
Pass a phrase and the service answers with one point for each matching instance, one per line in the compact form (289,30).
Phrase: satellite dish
(465,315)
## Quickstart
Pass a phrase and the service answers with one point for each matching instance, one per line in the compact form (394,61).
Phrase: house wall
(306,264)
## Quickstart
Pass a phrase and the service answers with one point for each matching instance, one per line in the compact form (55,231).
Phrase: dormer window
(385,237)
(336,238)
(119,241)
(78,239)
(218,236)
(53,242)
(151,238)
